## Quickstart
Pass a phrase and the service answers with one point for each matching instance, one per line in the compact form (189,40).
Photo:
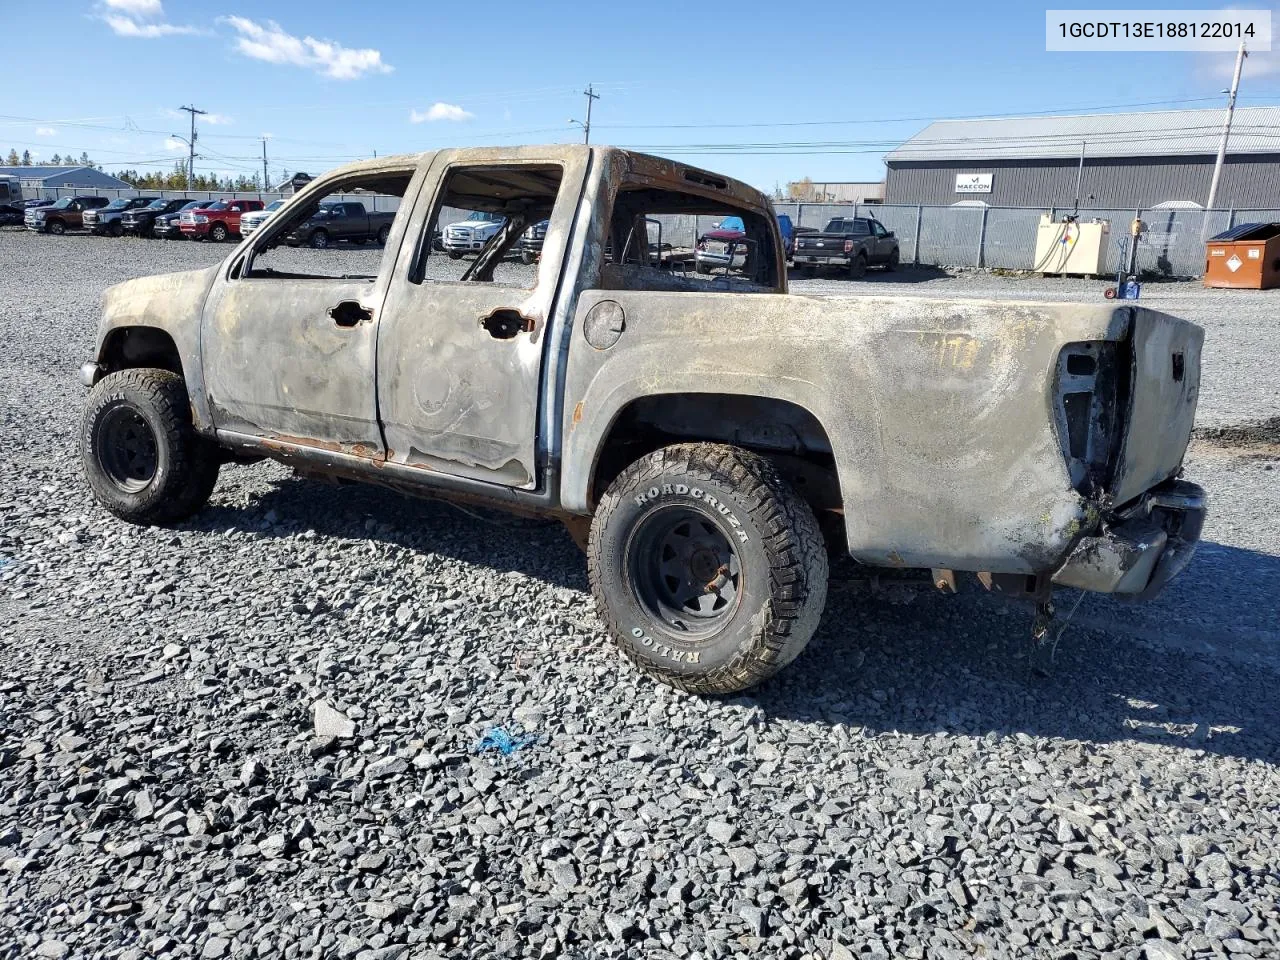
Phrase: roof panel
(1165,133)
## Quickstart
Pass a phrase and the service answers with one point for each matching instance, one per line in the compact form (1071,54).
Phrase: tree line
(58,160)
(175,179)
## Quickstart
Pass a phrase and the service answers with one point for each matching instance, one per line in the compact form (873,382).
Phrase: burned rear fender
(171,303)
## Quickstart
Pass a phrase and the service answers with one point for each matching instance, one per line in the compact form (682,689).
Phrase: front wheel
(455,255)
(891,264)
(526,257)
(708,569)
(141,454)
(116,229)
(218,233)
(57,228)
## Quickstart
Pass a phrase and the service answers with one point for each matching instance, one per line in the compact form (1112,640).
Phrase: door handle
(349,313)
(505,324)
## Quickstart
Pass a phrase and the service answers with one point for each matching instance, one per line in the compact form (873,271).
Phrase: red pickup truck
(217,221)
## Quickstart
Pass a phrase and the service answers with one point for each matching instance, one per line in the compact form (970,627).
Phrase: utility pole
(266,181)
(590,94)
(1226,130)
(191,145)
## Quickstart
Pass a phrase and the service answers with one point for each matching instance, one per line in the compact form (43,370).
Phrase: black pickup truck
(334,221)
(853,243)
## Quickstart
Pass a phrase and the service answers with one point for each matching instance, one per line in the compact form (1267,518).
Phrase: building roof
(34,172)
(1164,133)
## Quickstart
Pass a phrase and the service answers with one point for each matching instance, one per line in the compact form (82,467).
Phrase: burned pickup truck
(707,439)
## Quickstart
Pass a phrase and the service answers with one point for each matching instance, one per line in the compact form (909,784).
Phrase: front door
(461,341)
(288,343)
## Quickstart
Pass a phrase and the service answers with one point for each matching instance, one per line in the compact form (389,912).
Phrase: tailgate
(1164,388)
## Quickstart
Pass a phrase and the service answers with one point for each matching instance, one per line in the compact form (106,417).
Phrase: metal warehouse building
(1131,160)
(35,179)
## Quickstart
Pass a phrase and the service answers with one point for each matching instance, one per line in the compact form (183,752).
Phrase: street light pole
(1226,129)
(191,144)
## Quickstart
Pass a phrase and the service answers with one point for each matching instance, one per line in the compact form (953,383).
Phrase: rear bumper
(1141,548)
(841,259)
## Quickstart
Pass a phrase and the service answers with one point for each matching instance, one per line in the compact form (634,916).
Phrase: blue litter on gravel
(505,743)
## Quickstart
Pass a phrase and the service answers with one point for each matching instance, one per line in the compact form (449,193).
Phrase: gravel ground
(169,788)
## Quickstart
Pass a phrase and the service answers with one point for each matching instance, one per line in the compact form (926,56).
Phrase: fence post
(982,237)
(1231,218)
(915,253)
(799,214)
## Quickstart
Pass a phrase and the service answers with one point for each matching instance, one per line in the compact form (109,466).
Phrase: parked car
(66,214)
(852,243)
(712,249)
(166,226)
(471,234)
(11,216)
(716,440)
(340,220)
(530,244)
(216,221)
(252,221)
(110,219)
(140,222)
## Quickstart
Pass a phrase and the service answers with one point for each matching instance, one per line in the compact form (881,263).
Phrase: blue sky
(722,85)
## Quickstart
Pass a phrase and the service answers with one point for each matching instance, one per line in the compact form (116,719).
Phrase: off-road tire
(218,233)
(526,257)
(782,585)
(858,267)
(186,466)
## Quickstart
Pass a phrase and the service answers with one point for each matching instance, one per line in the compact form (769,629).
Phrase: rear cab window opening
(658,239)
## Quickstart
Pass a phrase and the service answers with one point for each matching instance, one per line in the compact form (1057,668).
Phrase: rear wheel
(218,233)
(526,257)
(708,569)
(384,232)
(858,266)
(141,455)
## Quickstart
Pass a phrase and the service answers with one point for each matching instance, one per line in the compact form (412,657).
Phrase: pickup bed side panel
(939,412)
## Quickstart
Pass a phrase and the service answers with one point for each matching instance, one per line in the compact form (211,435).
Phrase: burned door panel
(279,364)
(460,359)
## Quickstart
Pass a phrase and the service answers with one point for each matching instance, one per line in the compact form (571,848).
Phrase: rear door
(460,356)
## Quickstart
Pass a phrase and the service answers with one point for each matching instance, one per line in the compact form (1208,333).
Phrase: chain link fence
(951,236)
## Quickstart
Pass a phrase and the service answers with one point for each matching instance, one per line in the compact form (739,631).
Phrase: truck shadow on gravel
(1196,669)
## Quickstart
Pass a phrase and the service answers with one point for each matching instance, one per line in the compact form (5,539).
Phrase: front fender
(172,303)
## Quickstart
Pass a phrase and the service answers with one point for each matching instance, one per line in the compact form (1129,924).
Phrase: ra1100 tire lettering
(662,650)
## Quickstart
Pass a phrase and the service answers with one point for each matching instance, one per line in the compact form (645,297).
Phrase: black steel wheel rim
(685,571)
(126,448)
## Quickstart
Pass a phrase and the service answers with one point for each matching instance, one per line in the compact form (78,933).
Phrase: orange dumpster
(1246,257)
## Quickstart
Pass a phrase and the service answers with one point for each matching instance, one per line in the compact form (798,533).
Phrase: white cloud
(124,27)
(175,145)
(268,41)
(217,119)
(137,8)
(440,111)
(46,132)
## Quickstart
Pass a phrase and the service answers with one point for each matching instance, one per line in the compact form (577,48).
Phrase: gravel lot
(905,789)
